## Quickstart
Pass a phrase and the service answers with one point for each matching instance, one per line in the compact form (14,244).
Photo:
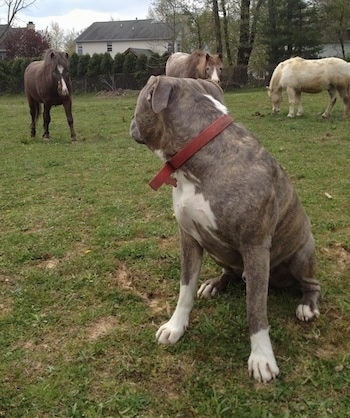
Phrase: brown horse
(48,82)
(199,64)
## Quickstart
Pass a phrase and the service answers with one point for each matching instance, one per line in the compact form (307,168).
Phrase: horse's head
(58,63)
(276,98)
(213,67)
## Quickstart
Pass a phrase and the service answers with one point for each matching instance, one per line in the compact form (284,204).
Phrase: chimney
(31,26)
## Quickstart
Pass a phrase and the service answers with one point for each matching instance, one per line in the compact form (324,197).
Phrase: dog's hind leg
(211,287)
(191,261)
(261,363)
(303,266)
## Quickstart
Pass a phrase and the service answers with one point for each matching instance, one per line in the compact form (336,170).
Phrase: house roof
(138,52)
(126,30)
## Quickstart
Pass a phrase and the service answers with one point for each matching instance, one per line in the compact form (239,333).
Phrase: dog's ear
(160,93)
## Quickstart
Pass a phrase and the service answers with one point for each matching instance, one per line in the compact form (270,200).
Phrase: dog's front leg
(261,364)
(191,260)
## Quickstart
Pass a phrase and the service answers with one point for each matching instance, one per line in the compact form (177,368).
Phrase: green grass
(89,269)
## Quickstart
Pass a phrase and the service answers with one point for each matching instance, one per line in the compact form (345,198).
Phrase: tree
(24,42)
(61,39)
(292,28)
(14,7)
(129,64)
(94,65)
(336,18)
(118,63)
(217,27)
(106,64)
(73,64)
(226,33)
(56,36)
(169,12)
(249,17)
(141,63)
(83,64)
(69,41)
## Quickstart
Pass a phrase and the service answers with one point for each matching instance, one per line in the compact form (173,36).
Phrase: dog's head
(170,111)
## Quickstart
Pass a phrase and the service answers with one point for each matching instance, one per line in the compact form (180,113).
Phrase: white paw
(207,290)
(262,363)
(170,332)
(262,368)
(304,313)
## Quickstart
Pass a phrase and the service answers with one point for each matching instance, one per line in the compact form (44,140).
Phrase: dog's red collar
(209,133)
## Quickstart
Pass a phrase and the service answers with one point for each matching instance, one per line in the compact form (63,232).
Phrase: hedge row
(99,71)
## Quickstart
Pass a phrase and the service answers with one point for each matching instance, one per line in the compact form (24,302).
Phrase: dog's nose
(134,132)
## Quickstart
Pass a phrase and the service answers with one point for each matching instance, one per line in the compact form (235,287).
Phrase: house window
(80,49)
(109,47)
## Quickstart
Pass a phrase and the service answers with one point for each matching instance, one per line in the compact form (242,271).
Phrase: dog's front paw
(262,368)
(170,333)
(262,363)
(305,313)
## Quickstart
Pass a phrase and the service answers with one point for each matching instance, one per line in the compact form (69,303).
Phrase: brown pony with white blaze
(297,75)
(199,64)
(48,82)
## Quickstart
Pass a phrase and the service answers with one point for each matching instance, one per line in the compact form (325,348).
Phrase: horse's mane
(196,65)
(53,58)
(276,77)
(199,59)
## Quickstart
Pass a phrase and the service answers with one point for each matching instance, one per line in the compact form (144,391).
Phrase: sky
(76,15)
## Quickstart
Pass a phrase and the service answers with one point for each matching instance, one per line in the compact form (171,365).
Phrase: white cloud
(78,15)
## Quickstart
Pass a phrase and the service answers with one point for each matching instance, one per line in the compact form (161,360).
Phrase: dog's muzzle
(134,132)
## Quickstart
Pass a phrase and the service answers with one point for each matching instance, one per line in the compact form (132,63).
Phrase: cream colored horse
(298,75)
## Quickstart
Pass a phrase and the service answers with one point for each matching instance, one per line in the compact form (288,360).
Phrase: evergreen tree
(106,65)
(292,29)
(118,63)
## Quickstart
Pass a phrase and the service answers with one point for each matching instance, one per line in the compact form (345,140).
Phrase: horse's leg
(47,119)
(344,94)
(298,103)
(34,107)
(68,109)
(332,91)
(291,101)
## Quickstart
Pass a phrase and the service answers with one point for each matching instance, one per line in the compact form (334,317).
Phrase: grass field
(89,269)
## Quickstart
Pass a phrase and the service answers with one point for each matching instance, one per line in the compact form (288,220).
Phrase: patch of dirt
(169,242)
(50,263)
(339,253)
(79,249)
(101,327)
(124,280)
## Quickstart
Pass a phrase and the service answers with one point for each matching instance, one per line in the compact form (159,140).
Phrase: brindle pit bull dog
(233,200)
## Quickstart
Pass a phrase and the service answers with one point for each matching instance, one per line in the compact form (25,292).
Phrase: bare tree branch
(16,6)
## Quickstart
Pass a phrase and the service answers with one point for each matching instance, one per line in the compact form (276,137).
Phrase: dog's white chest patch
(191,209)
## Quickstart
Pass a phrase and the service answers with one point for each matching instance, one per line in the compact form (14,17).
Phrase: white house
(118,36)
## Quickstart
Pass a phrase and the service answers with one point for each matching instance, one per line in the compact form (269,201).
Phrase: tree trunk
(226,37)
(244,47)
(217,27)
